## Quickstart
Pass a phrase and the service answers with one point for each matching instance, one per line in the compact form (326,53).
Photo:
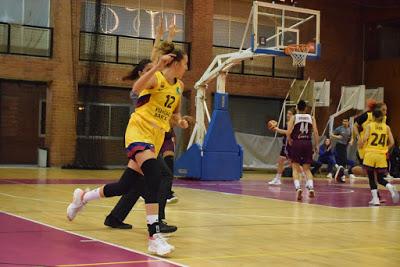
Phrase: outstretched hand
(172,30)
(160,27)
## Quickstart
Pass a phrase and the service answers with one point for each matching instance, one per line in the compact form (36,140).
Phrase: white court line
(94,239)
(323,219)
(44,185)
(286,191)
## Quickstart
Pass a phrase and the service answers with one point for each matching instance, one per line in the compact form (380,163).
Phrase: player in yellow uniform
(160,91)
(377,140)
(362,121)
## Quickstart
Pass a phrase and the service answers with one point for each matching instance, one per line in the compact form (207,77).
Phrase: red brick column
(62,91)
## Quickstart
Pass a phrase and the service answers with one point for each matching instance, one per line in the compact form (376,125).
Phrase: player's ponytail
(166,48)
(135,73)
(377,113)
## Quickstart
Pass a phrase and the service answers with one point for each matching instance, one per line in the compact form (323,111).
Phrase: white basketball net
(299,59)
(299,55)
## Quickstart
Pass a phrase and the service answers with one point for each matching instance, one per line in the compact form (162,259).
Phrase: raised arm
(148,80)
(157,41)
(357,123)
(172,30)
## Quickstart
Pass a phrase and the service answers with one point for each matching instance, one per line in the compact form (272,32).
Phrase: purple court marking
(24,242)
(334,195)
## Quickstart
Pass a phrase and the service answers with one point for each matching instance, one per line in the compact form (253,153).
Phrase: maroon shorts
(301,151)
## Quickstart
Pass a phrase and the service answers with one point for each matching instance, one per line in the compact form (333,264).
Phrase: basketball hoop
(298,53)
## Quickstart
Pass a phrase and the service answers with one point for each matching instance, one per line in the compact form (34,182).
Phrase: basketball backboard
(275,27)
(322,93)
(353,96)
(302,90)
(375,93)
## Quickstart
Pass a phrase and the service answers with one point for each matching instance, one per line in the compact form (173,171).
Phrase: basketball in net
(299,53)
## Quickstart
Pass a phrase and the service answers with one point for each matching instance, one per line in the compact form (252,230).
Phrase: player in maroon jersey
(301,128)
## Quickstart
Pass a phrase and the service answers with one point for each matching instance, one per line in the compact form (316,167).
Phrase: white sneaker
(275,181)
(393,192)
(339,173)
(172,200)
(388,176)
(76,204)
(343,178)
(159,246)
(299,194)
(311,192)
(374,202)
(329,176)
(352,176)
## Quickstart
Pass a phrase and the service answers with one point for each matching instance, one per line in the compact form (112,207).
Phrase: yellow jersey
(378,138)
(157,105)
(370,119)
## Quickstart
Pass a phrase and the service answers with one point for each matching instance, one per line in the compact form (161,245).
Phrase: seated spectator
(326,156)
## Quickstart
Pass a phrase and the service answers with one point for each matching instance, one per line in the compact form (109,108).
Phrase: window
(29,12)
(137,20)
(102,120)
(125,34)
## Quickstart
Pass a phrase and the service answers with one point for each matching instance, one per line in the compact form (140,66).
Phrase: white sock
(91,195)
(374,193)
(310,183)
(151,219)
(296,184)
(278,176)
(389,185)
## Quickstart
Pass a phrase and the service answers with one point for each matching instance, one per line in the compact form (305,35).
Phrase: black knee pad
(126,183)
(152,172)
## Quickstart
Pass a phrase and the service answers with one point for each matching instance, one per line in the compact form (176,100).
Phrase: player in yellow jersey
(362,121)
(159,91)
(360,124)
(377,140)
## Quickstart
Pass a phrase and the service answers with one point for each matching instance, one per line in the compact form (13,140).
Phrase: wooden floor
(216,228)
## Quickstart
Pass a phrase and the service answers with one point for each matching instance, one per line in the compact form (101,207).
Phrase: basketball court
(227,214)
(232,223)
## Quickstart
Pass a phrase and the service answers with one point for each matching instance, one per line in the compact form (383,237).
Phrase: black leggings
(128,200)
(129,180)
(379,176)
(341,154)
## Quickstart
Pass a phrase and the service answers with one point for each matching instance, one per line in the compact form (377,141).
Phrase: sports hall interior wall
(340,62)
(385,71)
